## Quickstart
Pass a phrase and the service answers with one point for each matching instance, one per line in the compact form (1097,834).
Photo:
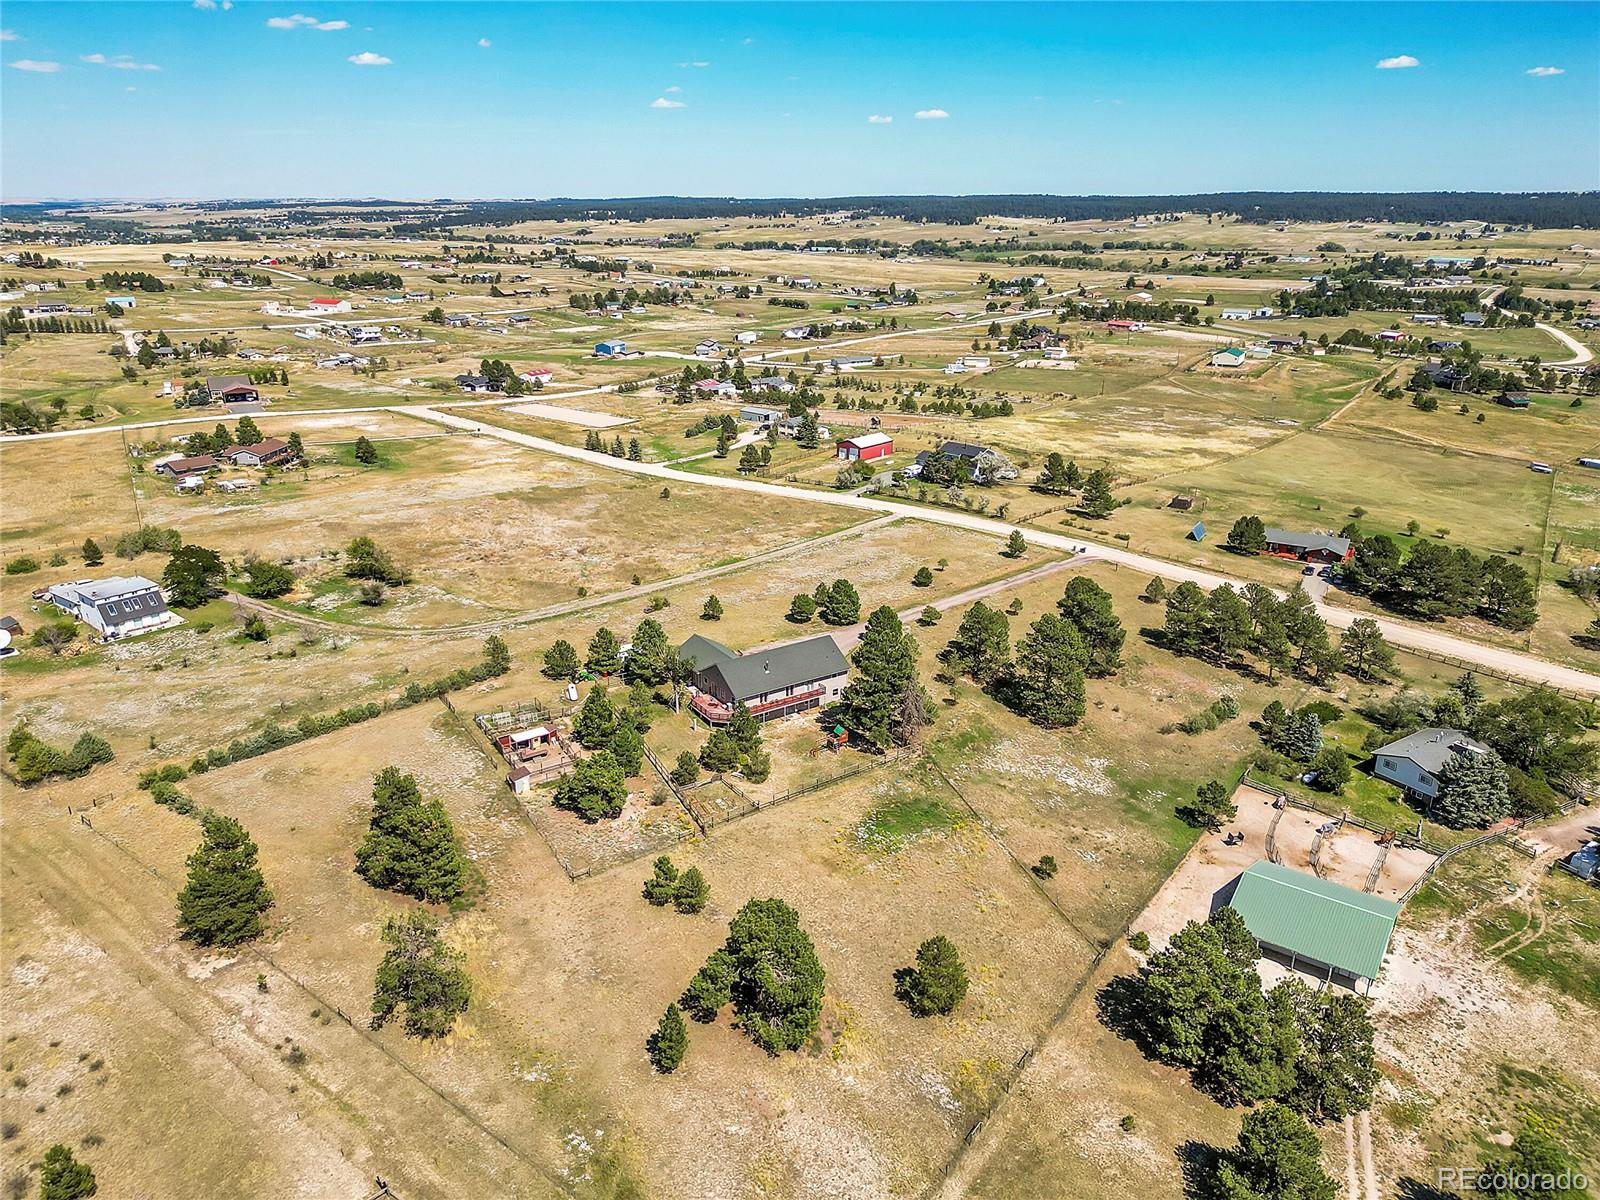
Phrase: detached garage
(1324,927)
(865,447)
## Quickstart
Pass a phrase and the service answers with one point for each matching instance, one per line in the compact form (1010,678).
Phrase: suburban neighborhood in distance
(902,602)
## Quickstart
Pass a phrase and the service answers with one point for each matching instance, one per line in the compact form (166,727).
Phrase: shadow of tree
(1197,1166)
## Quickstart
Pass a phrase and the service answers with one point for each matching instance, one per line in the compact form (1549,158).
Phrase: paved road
(1580,353)
(1400,633)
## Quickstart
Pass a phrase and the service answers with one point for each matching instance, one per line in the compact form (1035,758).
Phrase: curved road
(1399,633)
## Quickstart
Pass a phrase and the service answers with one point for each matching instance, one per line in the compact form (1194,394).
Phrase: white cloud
(34,65)
(663,102)
(931,114)
(1397,62)
(1545,72)
(9,35)
(212,5)
(484,43)
(748,42)
(674,88)
(119,62)
(701,65)
(368,59)
(879,119)
(301,21)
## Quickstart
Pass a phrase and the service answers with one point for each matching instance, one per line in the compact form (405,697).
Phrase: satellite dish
(5,638)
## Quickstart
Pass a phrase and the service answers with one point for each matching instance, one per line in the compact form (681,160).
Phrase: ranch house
(1309,547)
(773,682)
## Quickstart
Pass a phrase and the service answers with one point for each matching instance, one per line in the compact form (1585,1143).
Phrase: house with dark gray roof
(114,608)
(1414,762)
(771,682)
(1308,547)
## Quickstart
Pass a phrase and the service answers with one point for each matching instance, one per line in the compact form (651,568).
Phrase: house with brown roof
(179,468)
(268,452)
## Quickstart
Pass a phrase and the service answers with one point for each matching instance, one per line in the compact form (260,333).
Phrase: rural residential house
(539,375)
(967,452)
(771,383)
(773,682)
(790,427)
(1308,547)
(475,384)
(232,389)
(177,468)
(1414,762)
(116,607)
(269,452)
(715,387)
(1231,356)
(864,447)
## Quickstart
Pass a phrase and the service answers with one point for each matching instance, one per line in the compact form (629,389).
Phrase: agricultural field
(1038,849)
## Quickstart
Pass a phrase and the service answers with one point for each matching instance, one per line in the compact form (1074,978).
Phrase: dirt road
(1400,633)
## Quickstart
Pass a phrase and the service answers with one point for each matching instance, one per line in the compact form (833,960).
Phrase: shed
(1326,926)
(865,447)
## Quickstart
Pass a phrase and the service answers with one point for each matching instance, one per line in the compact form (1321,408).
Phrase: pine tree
(596,721)
(561,661)
(92,555)
(1016,545)
(1278,1156)
(1212,807)
(1048,676)
(1155,591)
(648,660)
(249,432)
(627,748)
(885,663)
(712,610)
(661,887)
(366,453)
(982,645)
(841,604)
(692,891)
(63,1177)
(1087,607)
(423,975)
(605,652)
(923,578)
(937,984)
(802,608)
(411,845)
(594,789)
(222,902)
(669,1042)
(1097,499)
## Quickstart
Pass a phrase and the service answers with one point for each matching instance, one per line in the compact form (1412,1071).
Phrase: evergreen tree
(1048,675)
(594,789)
(982,645)
(422,975)
(1053,479)
(1097,499)
(749,460)
(1277,1157)
(711,989)
(1332,768)
(561,661)
(1154,592)
(777,982)
(1185,630)
(297,448)
(63,1177)
(923,578)
(411,845)
(605,652)
(937,984)
(712,610)
(1212,807)
(669,1042)
(249,432)
(1366,651)
(687,769)
(802,608)
(596,721)
(1335,1074)
(365,452)
(1535,1167)
(839,604)
(1086,606)
(885,662)
(92,554)
(1248,535)
(1302,736)
(222,901)
(627,747)
(650,658)
(692,891)
(1467,687)
(1474,791)
(720,753)
(660,888)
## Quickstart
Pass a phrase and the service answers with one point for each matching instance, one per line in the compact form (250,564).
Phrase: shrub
(22,565)
(1139,941)
(937,984)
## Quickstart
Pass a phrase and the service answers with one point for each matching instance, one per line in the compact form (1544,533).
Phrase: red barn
(865,447)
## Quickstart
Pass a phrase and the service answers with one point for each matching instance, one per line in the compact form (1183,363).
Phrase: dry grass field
(149,1053)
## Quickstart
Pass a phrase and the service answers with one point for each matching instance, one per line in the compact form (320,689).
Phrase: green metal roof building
(1325,926)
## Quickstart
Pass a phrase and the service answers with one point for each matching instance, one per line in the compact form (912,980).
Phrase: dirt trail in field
(567,607)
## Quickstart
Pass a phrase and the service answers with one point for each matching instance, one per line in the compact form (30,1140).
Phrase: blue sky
(332,98)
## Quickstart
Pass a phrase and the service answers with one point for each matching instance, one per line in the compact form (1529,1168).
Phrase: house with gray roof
(114,608)
(1308,547)
(1414,762)
(771,682)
